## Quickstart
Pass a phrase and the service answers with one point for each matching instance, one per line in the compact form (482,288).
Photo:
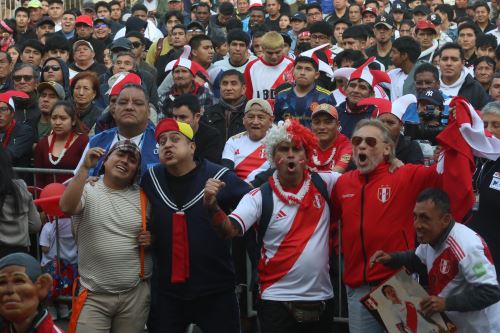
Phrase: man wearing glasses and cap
(114,263)
(84,58)
(84,28)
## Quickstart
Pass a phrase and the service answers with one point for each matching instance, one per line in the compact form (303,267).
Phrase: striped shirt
(106,235)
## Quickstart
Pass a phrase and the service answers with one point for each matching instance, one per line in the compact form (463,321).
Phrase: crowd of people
(330,142)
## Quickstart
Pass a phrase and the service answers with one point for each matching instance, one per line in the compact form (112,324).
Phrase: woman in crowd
(55,69)
(18,215)
(85,90)
(14,53)
(64,147)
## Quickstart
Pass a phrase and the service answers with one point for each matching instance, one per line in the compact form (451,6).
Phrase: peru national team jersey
(294,263)
(249,157)
(463,259)
(262,79)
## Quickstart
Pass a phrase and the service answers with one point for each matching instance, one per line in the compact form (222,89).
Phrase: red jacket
(376,211)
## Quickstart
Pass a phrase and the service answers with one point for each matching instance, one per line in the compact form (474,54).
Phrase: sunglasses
(136,45)
(370,141)
(101,25)
(19,78)
(54,68)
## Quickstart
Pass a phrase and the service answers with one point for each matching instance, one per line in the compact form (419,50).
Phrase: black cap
(398,6)
(431,96)
(298,17)
(435,19)
(384,20)
(121,43)
(45,20)
(103,20)
(422,9)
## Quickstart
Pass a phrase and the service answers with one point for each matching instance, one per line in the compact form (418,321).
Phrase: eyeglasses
(101,25)
(427,83)
(136,45)
(195,30)
(4,109)
(319,37)
(370,141)
(54,68)
(26,78)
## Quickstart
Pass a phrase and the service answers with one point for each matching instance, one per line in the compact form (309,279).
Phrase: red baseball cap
(85,19)
(425,24)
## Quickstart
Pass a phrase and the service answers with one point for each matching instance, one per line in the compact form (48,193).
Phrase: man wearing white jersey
(245,153)
(462,278)
(264,75)
(294,284)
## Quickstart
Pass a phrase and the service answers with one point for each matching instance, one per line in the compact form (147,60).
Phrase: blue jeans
(360,320)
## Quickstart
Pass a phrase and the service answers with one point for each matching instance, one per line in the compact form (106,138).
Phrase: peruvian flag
(462,139)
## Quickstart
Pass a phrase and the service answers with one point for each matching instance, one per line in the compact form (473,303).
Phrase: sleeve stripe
(239,220)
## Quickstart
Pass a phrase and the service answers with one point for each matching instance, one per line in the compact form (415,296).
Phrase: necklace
(287,197)
(51,147)
(9,132)
(316,160)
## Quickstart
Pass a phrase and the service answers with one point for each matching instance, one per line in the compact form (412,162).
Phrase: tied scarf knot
(180,248)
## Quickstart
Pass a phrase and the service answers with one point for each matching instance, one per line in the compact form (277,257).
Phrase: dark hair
(33,43)
(446,9)
(92,76)
(137,7)
(21,9)
(135,34)
(57,42)
(464,19)
(7,184)
(50,2)
(408,22)
(468,25)
(314,5)
(485,59)
(195,41)
(427,67)
(70,12)
(238,35)
(438,197)
(356,5)
(234,24)
(188,101)
(70,110)
(357,32)
(309,60)
(478,4)
(408,45)
(353,55)
(258,9)
(203,4)
(321,27)
(139,87)
(226,8)
(113,3)
(218,41)
(374,2)
(179,26)
(177,14)
(230,72)
(259,33)
(452,46)
(102,4)
(486,40)
(497,53)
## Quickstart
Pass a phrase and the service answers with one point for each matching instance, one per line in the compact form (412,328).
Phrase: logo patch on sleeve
(479,269)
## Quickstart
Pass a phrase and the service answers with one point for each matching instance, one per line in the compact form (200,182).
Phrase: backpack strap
(159,48)
(267,211)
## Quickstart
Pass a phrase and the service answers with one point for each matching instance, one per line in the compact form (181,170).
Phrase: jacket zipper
(363,250)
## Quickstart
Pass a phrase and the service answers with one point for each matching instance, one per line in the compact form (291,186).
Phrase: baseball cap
(398,6)
(121,43)
(85,19)
(195,25)
(82,42)
(45,20)
(126,146)
(103,20)
(173,1)
(118,81)
(264,105)
(298,17)
(325,108)
(369,10)
(56,87)
(425,24)
(88,6)
(35,4)
(384,20)
(421,9)
(170,125)
(435,19)
(431,96)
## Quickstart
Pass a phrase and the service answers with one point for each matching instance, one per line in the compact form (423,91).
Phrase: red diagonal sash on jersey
(443,271)
(411,316)
(285,76)
(250,163)
(292,245)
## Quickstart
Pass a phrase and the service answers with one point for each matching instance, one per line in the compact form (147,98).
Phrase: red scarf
(6,138)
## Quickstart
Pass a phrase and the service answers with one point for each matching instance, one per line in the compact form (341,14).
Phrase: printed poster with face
(396,305)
